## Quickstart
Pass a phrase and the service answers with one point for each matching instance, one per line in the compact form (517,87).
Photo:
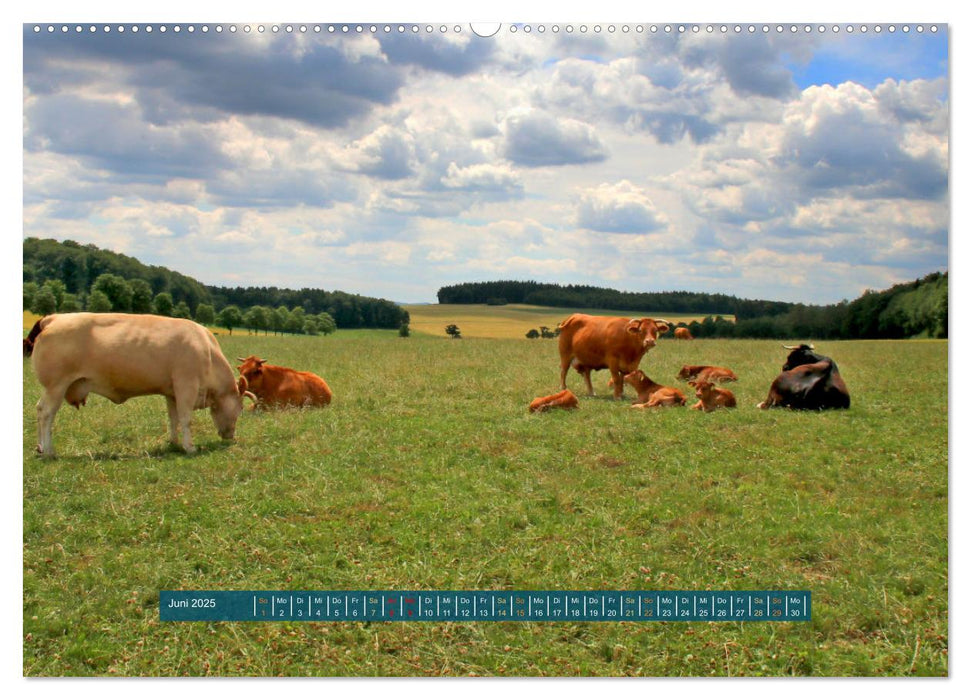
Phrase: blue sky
(800,166)
(871,58)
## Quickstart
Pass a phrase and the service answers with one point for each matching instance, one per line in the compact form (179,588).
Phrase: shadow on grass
(166,451)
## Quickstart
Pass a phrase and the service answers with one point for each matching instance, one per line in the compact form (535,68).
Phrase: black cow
(808,381)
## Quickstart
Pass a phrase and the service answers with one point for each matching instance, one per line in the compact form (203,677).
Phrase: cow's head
(800,355)
(252,370)
(225,409)
(702,388)
(647,330)
(635,378)
(685,372)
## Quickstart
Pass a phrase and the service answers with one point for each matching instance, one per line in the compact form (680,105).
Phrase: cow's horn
(790,347)
(241,359)
(251,396)
(812,347)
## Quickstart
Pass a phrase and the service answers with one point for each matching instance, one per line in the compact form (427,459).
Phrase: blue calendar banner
(485,606)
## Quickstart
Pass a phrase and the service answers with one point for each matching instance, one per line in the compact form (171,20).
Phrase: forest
(915,309)
(69,276)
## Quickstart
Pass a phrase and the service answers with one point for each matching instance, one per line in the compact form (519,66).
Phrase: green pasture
(510,320)
(427,472)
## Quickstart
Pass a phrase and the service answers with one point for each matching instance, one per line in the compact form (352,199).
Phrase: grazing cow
(564,399)
(120,356)
(281,386)
(606,342)
(683,334)
(651,394)
(708,373)
(711,397)
(807,381)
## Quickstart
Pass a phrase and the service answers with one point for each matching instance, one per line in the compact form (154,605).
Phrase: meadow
(427,472)
(507,320)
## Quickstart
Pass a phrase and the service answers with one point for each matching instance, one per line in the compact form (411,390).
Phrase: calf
(683,334)
(707,373)
(651,394)
(277,387)
(564,399)
(711,397)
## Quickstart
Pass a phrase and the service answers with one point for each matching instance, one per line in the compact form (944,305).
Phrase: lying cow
(651,394)
(606,342)
(711,397)
(120,356)
(564,399)
(707,373)
(808,381)
(276,387)
(683,334)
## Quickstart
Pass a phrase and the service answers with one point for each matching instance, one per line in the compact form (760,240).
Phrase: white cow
(120,356)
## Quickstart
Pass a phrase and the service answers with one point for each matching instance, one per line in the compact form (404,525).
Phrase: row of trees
(67,276)
(112,293)
(347,310)
(583,296)
(79,266)
(134,286)
(913,309)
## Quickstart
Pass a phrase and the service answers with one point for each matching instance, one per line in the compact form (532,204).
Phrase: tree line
(67,276)
(589,297)
(912,309)
(915,309)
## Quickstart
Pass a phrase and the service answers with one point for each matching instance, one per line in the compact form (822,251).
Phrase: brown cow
(281,386)
(683,334)
(606,342)
(121,356)
(708,373)
(651,394)
(711,397)
(564,399)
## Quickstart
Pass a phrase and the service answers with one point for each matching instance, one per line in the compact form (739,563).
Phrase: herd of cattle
(587,343)
(121,356)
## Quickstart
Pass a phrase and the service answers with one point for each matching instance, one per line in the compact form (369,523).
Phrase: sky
(786,165)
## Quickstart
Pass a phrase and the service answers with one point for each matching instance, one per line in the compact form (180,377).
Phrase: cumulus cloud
(387,153)
(848,138)
(536,138)
(320,83)
(483,176)
(450,53)
(442,157)
(619,208)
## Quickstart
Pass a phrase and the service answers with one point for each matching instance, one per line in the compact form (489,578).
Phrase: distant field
(510,320)
(427,472)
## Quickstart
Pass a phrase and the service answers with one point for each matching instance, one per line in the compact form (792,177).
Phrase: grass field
(508,321)
(427,472)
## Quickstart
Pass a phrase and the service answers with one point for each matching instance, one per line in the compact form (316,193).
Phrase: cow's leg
(564,368)
(173,420)
(47,408)
(586,378)
(185,401)
(618,378)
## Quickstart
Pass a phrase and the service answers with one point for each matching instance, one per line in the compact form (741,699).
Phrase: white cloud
(619,208)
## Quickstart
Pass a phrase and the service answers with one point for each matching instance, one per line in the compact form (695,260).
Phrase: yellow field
(479,320)
(508,321)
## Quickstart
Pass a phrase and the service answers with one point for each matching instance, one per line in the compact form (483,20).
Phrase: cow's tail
(32,336)
(566,322)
